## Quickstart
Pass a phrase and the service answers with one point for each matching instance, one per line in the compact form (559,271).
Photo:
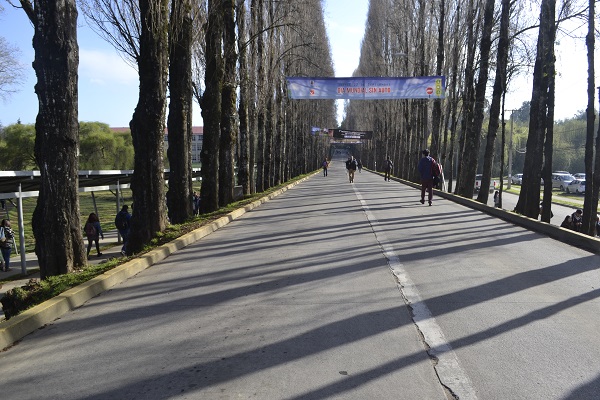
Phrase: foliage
(17,143)
(99,147)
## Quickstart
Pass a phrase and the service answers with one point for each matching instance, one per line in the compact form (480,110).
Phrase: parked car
(561,180)
(576,186)
(517,179)
(579,176)
(478,178)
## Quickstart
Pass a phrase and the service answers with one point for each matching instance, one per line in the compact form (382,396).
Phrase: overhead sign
(424,87)
(346,134)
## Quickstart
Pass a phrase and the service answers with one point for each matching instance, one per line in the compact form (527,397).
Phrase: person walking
(577,220)
(93,231)
(387,166)
(359,165)
(427,165)
(351,167)
(6,243)
(497,199)
(122,223)
(196,203)
(325,165)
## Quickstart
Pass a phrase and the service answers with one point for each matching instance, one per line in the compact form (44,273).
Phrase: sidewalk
(33,268)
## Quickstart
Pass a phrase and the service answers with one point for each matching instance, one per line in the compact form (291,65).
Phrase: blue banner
(424,87)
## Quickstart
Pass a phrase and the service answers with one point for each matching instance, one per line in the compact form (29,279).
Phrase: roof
(90,180)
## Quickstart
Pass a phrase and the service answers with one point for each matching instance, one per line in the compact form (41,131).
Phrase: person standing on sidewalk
(6,244)
(325,166)
(93,231)
(122,223)
(388,165)
(426,168)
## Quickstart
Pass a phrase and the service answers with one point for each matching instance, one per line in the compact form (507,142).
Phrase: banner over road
(374,88)
(346,134)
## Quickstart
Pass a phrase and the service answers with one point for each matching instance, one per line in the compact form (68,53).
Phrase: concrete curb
(36,317)
(576,239)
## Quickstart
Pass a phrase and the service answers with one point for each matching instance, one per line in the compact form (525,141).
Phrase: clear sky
(108,87)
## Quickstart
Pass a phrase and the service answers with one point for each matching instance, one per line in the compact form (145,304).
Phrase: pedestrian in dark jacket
(426,169)
(387,167)
(122,222)
(93,231)
(6,244)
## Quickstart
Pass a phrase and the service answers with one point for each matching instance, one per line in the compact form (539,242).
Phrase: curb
(568,236)
(36,317)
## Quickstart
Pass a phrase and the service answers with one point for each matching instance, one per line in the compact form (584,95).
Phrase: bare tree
(148,126)
(591,193)
(528,203)
(179,121)
(12,71)
(229,127)
(472,135)
(211,108)
(498,92)
(56,224)
(243,160)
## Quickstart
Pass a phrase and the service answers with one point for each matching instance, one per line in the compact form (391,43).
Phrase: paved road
(334,291)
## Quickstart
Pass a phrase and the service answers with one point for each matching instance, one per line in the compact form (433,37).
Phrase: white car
(517,179)
(577,186)
(561,180)
(579,176)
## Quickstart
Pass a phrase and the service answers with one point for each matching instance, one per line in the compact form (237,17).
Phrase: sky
(108,87)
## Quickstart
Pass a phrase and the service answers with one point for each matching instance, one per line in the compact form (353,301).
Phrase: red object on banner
(429,90)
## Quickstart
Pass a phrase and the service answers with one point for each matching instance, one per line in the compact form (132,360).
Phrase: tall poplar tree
(148,126)
(56,223)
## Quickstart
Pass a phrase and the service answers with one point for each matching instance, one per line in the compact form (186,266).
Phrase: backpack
(435,168)
(121,222)
(90,230)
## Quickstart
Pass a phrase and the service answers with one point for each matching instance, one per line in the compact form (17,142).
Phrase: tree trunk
(211,110)
(437,104)
(499,85)
(473,134)
(56,223)
(148,126)
(529,197)
(180,113)
(464,187)
(244,139)
(589,216)
(229,130)
(258,12)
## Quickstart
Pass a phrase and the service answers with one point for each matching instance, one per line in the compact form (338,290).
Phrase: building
(197,140)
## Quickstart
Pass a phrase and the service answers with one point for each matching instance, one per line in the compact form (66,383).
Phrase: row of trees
(478,45)
(231,56)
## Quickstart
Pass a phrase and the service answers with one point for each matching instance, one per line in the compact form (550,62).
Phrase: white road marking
(447,367)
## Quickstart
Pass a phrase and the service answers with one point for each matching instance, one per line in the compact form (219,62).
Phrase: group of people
(93,230)
(352,165)
(428,167)
(575,222)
